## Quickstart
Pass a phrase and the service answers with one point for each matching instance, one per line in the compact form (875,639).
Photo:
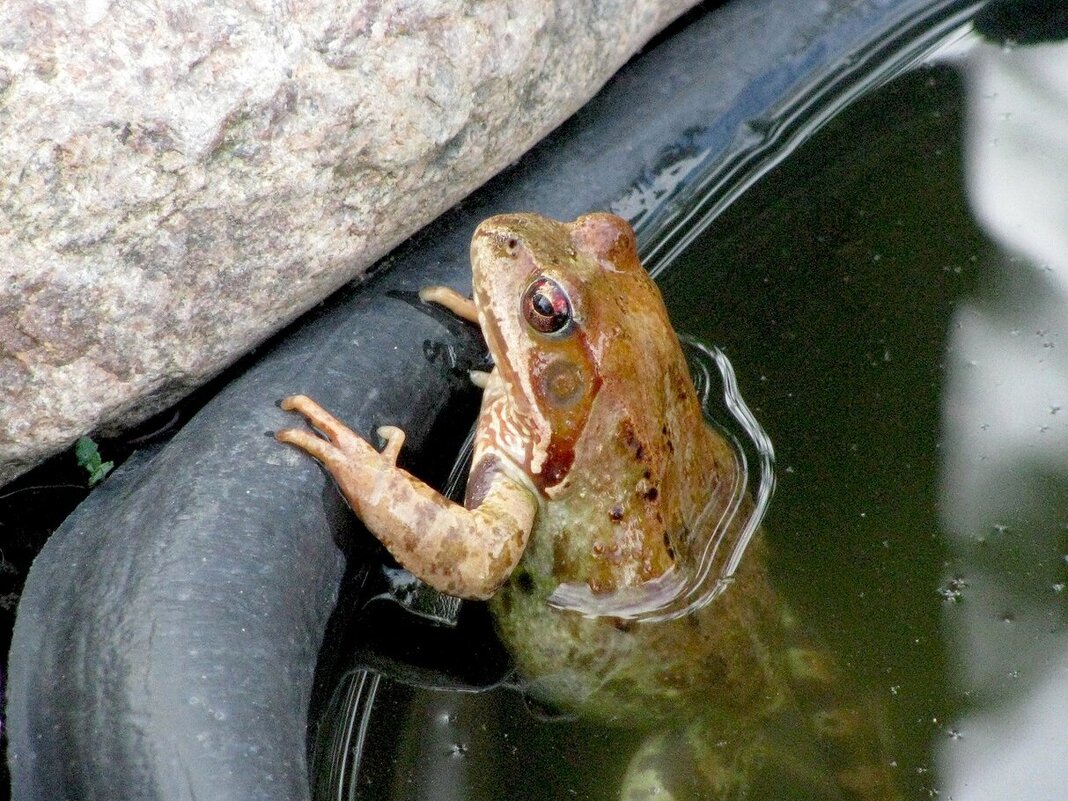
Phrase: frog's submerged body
(594,467)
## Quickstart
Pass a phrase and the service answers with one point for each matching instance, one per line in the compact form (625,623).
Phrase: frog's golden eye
(546,307)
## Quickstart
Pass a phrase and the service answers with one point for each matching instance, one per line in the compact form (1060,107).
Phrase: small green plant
(88,456)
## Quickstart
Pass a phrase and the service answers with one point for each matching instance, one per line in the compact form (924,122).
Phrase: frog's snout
(499,236)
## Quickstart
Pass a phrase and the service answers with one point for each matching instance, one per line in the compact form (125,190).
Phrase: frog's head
(573,322)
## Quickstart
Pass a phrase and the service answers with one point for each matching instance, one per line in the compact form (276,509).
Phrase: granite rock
(178,180)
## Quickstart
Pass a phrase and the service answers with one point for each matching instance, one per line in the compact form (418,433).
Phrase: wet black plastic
(167,638)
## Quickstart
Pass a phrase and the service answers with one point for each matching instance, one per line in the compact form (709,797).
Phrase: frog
(594,466)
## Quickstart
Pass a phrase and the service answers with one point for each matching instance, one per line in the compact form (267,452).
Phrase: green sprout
(88,456)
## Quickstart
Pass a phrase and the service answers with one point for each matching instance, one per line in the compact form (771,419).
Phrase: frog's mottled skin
(593,464)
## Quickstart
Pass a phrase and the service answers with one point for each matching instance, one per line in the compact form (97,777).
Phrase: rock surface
(178,180)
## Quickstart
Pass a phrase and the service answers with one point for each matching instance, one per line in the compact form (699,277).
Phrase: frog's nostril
(502,242)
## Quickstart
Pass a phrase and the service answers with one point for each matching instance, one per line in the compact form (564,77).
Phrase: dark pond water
(894,299)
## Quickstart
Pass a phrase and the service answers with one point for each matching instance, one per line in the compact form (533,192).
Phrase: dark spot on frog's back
(615,514)
(667,547)
(652,494)
(668,440)
(524,582)
(628,435)
(683,386)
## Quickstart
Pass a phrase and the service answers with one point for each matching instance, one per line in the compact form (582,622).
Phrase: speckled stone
(179,180)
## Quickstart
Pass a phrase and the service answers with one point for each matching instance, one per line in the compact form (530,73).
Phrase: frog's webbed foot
(339,444)
(724,763)
(684,764)
(645,777)
(449,298)
(847,725)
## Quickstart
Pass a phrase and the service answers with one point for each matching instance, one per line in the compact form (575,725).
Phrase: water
(844,354)
(894,299)
(910,267)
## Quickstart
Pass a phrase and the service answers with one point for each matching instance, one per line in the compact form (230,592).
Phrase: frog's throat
(510,429)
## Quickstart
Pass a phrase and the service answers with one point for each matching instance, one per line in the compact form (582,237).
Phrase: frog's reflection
(1004,493)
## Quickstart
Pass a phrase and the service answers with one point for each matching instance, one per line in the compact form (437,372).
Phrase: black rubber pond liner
(166,642)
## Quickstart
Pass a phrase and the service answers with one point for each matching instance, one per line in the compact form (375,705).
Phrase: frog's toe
(346,440)
(449,298)
(394,438)
(296,403)
(308,442)
(314,414)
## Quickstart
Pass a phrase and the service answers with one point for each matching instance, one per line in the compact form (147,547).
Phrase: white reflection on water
(1004,493)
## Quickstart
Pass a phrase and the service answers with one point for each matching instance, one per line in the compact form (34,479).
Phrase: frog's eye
(546,307)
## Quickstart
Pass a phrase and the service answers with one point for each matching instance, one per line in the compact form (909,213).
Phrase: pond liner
(168,634)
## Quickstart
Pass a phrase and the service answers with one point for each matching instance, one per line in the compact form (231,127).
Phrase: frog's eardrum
(167,637)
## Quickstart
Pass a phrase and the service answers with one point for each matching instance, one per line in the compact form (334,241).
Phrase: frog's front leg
(463,552)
